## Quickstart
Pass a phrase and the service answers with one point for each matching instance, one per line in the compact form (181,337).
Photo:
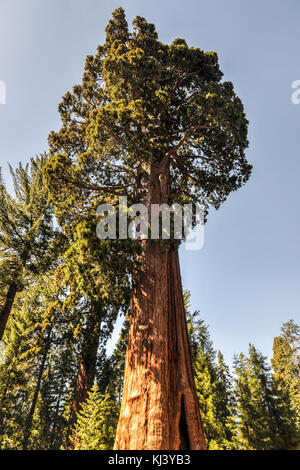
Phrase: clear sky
(245,280)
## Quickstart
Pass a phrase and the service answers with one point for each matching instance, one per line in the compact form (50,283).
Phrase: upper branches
(143,101)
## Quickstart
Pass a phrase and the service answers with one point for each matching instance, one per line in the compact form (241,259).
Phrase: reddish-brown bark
(5,312)
(160,409)
(87,366)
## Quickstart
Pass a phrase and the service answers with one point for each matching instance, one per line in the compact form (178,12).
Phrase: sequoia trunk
(160,409)
(9,300)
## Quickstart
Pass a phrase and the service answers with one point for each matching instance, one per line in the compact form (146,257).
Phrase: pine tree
(40,372)
(153,122)
(28,241)
(96,422)
(264,412)
(213,390)
(285,363)
(213,384)
(242,395)
(284,416)
(18,377)
(111,375)
(254,402)
(98,279)
(40,344)
(225,405)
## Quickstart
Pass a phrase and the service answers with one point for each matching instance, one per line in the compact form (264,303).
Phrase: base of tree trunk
(160,409)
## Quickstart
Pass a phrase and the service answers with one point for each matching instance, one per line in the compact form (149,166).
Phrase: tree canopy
(143,101)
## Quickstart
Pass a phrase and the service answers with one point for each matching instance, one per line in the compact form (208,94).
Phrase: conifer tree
(254,401)
(242,395)
(225,404)
(213,384)
(40,367)
(19,376)
(40,372)
(264,412)
(98,279)
(286,364)
(96,424)
(285,416)
(28,241)
(153,122)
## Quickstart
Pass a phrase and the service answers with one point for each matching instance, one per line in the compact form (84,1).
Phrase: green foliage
(214,391)
(254,401)
(28,241)
(213,383)
(41,362)
(96,422)
(142,102)
(25,341)
(265,417)
(286,363)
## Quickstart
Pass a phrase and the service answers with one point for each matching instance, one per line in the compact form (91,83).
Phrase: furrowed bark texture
(160,408)
(4,314)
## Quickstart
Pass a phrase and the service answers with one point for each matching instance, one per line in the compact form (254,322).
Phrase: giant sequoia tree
(154,122)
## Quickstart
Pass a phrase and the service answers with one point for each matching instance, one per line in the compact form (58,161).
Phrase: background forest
(56,347)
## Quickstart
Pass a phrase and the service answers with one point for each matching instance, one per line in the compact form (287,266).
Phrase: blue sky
(245,280)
